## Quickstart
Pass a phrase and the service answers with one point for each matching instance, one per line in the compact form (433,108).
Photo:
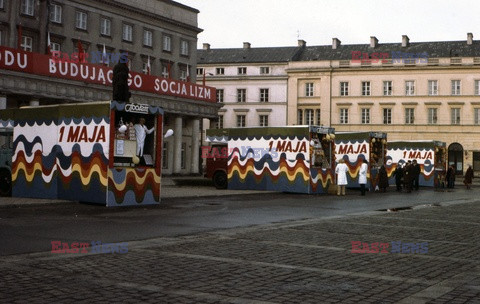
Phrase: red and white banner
(44,65)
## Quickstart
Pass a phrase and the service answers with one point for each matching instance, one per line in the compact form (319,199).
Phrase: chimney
(206,46)
(469,38)
(335,43)
(302,43)
(246,45)
(405,41)
(373,42)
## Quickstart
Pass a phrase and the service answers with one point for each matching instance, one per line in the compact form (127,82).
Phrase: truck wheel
(5,183)
(220,180)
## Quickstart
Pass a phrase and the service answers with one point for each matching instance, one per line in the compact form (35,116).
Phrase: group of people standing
(407,176)
(342,169)
(448,179)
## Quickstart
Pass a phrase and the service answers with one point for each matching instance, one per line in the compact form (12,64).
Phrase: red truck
(217,157)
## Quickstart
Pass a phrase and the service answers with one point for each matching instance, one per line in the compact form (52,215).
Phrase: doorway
(455,157)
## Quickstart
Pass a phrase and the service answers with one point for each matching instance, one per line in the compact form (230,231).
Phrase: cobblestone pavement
(306,261)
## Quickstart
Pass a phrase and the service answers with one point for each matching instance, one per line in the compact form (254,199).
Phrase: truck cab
(217,168)
(6,153)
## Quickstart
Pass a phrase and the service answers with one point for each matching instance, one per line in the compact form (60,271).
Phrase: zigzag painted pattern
(144,184)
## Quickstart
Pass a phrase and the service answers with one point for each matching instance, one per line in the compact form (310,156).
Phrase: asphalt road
(32,228)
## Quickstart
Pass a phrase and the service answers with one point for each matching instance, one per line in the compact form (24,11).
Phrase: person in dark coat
(407,176)
(416,174)
(468,177)
(398,173)
(382,179)
(450,177)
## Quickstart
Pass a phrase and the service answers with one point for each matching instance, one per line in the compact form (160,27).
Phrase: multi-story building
(160,37)
(412,91)
(251,83)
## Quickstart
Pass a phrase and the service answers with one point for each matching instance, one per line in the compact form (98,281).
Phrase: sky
(273,23)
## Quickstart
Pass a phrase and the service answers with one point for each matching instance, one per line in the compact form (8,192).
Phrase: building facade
(158,37)
(251,83)
(412,91)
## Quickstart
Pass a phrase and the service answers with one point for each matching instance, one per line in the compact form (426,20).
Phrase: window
(200,71)
(219,95)
(167,43)
(309,89)
(365,88)
(241,121)
(145,67)
(183,75)
(147,38)
(432,116)
(387,116)
(1,35)
(220,71)
(264,70)
(165,70)
(56,13)
(455,116)
(299,117)
(184,48)
(309,117)
(55,47)
(220,122)
(432,87)
(242,71)
(84,46)
(477,116)
(365,115)
(343,88)
(387,88)
(27,7)
(1,4)
(105,26)
(127,32)
(263,120)
(27,43)
(477,87)
(263,95)
(165,156)
(81,20)
(409,116)
(455,87)
(317,117)
(241,95)
(183,156)
(409,88)
(344,116)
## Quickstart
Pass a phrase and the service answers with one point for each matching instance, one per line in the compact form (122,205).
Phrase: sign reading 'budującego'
(44,65)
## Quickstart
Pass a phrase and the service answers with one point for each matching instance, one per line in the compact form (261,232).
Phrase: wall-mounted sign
(45,65)
(136,108)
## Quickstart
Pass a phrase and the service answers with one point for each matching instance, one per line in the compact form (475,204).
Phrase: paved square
(295,262)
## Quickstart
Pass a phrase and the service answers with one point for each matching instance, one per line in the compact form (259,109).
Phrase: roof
(432,50)
(435,49)
(247,55)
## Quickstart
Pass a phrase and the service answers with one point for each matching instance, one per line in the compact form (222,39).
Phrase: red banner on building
(44,65)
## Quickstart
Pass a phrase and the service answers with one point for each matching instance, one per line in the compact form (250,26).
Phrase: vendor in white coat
(341,170)
(362,176)
(141,132)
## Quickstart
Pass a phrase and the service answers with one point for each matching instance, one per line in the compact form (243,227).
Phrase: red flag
(169,67)
(188,73)
(20,34)
(81,55)
(203,77)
